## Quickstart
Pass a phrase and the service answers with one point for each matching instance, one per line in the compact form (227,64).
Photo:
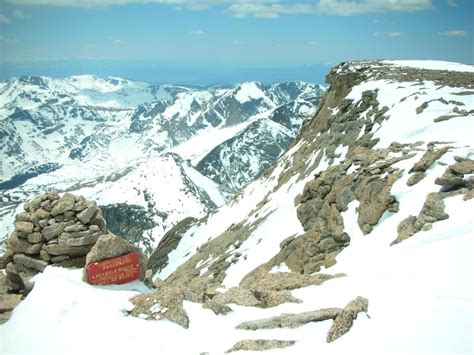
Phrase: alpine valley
(150,155)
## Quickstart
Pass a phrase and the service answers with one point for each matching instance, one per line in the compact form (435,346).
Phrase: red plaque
(119,270)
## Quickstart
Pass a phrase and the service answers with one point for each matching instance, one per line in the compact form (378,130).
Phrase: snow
(405,125)
(198,146)
(249,91)
(206,184)
(432,65)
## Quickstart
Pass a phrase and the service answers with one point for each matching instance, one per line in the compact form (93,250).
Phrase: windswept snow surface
(432,65)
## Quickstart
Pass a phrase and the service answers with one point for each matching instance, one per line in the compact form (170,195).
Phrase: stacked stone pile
(53,229)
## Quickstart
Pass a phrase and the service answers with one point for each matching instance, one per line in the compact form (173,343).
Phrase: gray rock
(6,258)
(23,217)
(34,204)
(56,249)
(110,246)
(80,205)
(35,237)
(28,262)
(46,205)
(41,214)
(238,295)
(416,178)
(73,262)
(343,322)
(217,307)
(14,281)
(78,238)
(43,223)
(166,303)
(465,166)
(24,227)
(428,159)
(52,196)
(98,219)
(45,256)
(18,245)
(86,215)
(65,203)
(69,216)
(54,230)
(76,227)
(59,258)
(290,320)
(159,258)
(260,345)
(450,180)
(433,209)
(405,229)
(94,228)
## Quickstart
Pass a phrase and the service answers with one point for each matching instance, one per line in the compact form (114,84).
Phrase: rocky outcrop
(430,156)
(8,301)
(166,303)
(328,195)
(453,177)
(343,319)
(262,298)
(289,320)
(159,258)
(343,322)
(260,345)
(52,230)
(453,183)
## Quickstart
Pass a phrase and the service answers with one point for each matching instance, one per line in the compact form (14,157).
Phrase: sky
(225,41)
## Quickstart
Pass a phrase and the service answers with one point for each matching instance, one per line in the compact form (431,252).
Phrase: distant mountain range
(168,151)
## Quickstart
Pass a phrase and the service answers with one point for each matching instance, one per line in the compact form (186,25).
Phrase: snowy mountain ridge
(98,136)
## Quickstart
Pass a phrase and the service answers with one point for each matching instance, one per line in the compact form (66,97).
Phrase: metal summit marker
(118,270)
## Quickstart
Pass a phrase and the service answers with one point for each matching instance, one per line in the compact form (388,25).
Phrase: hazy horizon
(209,42)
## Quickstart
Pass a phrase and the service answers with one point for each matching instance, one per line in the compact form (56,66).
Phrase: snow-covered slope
(387,158)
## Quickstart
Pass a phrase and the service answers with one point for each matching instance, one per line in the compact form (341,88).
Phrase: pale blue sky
(224,41)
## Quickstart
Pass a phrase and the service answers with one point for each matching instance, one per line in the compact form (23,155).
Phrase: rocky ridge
(342,156)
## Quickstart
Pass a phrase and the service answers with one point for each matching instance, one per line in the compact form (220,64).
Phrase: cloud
(8,40)
(4,20)
(15,15)
(196,32)
(454,33)
(115,41)
(390,22)
(313,44)
(181,4)
(452,3)
(19,15)
(267,11)
(388,34)
(351,8)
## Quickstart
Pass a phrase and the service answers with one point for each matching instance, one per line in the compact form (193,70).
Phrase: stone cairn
(54,229)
